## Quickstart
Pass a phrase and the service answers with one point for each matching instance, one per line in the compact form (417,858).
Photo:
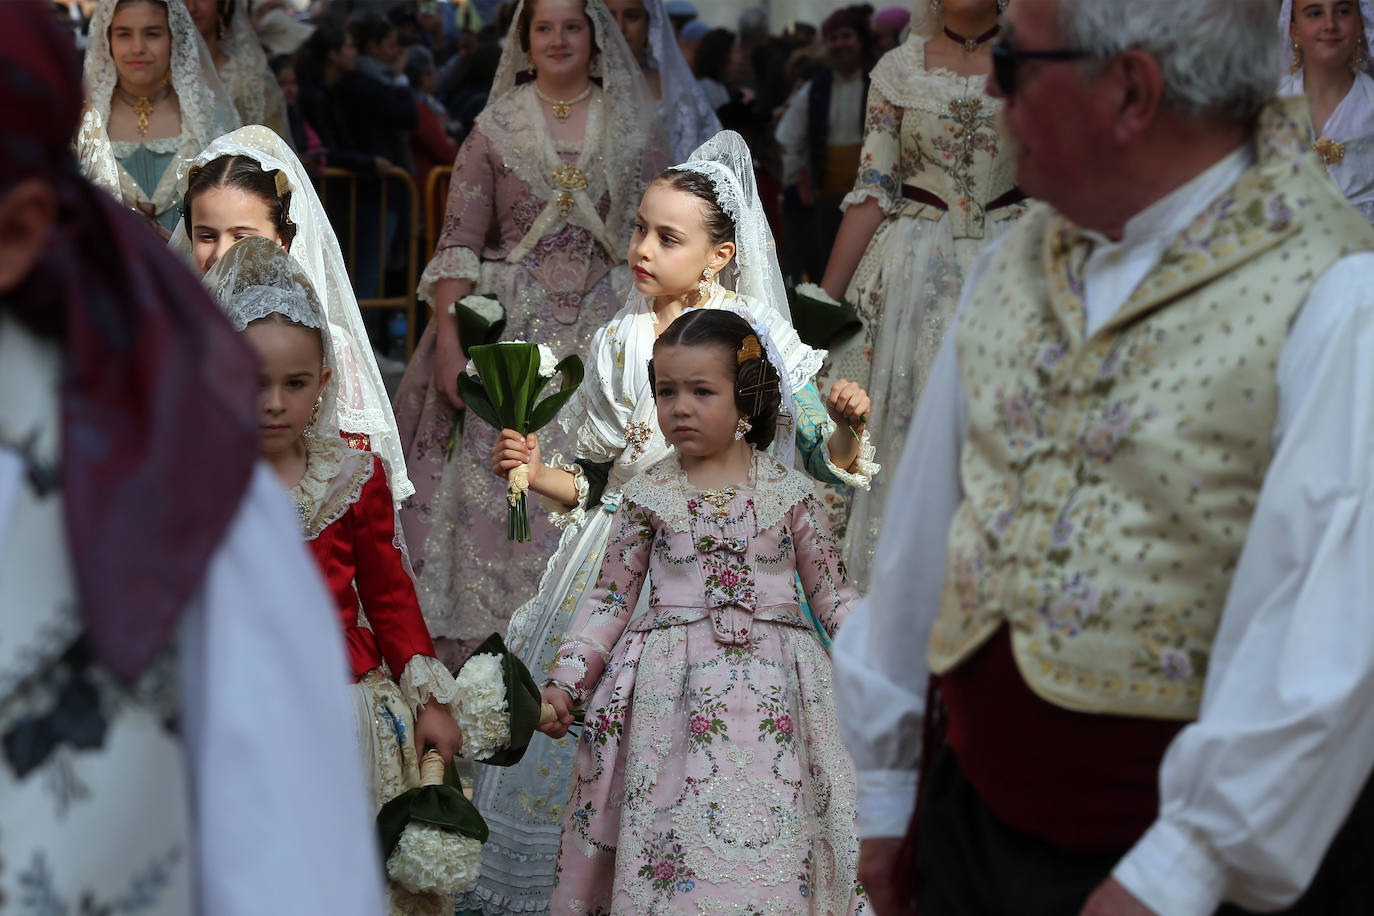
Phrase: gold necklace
(562,108)
(143,105)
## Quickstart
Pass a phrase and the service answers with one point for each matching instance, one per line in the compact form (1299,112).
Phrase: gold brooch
(571,178)
(966,110)
(637,436)
(720,499)
(1329,151)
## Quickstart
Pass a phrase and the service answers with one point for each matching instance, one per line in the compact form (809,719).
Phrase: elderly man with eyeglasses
(1120,623)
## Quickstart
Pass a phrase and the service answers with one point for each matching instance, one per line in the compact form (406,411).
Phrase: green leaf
(820,324)
(439,806)
(474,394)
(474,330)
(523,697)
(572,371)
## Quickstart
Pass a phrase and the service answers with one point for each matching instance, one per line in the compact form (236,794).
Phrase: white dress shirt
(846,128)
(1289,699)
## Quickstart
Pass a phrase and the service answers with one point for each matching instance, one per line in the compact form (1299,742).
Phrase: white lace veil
(726,160)
(257,278)
(1285,37)
(622,134)
(206,108)
(362,402)
(266,104)
(687,116)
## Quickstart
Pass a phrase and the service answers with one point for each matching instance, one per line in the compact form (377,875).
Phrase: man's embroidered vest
(1109,480)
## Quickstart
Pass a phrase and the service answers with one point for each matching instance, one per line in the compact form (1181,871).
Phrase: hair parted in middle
(719,227)
(758,391)
(246,174)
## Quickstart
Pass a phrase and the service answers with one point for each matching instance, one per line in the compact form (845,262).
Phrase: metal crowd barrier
(349,240)
(436,198)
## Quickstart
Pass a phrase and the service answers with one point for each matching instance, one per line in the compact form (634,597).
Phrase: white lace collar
(664,490)
(334,478)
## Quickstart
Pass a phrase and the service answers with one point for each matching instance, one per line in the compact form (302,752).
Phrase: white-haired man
(1132,557)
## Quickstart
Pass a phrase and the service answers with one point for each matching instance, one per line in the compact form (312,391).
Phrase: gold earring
(704,284)
(1297,58)
(529,62)
(742,428)
(1357,62)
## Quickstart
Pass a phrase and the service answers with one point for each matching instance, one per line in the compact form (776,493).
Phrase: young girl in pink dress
(710,770)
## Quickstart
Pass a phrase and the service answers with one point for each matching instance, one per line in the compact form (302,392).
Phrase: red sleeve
(384,587)
(431,135)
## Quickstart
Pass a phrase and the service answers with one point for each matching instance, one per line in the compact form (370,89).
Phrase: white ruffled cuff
(426,678)
(448,264)
(865,468)
(566,518)
(859,195)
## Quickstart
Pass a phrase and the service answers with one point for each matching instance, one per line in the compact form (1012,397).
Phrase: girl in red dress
(349,522)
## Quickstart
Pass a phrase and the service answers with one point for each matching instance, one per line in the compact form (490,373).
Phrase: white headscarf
(621,128)
(1286,40)
(206,109)
(253,89)
(688,118)
(362,403)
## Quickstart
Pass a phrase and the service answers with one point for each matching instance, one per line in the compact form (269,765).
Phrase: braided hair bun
(758,391)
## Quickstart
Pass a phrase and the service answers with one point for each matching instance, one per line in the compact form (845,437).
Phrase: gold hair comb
(749,349)
(283,184)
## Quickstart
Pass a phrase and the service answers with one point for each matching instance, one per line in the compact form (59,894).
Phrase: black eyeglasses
(1006,60)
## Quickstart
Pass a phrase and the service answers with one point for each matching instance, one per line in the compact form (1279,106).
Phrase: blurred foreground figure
(153,589)
(1132,545)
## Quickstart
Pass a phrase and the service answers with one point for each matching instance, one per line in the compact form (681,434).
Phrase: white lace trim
(254,302)
(426,678)
(663,490)
(448,264)
(564,518)
(328,489)
(859,195)
(161,146)
(865,468)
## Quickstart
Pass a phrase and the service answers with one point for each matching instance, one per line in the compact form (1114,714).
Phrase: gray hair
(1218,57)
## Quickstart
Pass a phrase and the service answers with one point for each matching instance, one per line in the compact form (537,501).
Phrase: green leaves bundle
(504,392)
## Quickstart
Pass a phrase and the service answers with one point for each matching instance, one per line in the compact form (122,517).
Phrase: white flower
(547,362)
(487,308)
(483,709)
(812,291)
(431,860)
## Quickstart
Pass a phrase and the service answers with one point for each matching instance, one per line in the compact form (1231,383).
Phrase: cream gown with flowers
(935,131)
(710,775)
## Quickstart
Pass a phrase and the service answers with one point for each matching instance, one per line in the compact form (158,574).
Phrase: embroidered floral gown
(558,281)
(614,428)
(349,522)
(710,774)
(930,134)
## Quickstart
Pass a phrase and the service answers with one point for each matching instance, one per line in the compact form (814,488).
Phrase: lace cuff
(448,264)
(426,678)
(566,518)
(859,195)
(865,469)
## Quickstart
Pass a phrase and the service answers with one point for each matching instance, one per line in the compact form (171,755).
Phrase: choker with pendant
(971,44)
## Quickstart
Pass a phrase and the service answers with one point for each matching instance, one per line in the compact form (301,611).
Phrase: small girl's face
(291,379)
(141,45)
(633,20)
(222,216)
(694,391)
(286,82)
(670,246)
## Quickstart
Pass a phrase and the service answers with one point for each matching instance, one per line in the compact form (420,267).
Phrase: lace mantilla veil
(725,159)
(362,403)
(620,134)
(1286,20)
(688,118)
(256,278)
(206,108)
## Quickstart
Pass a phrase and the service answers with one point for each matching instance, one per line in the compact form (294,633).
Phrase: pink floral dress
(710,774)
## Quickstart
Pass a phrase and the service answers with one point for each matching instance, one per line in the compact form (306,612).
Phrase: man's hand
(1110,899)
(880,876)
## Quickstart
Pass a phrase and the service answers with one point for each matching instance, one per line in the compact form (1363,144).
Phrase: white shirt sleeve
(791,134)
(282,819)
(879,654)
(1252,793)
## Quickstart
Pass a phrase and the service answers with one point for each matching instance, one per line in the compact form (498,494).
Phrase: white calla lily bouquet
(501,386)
